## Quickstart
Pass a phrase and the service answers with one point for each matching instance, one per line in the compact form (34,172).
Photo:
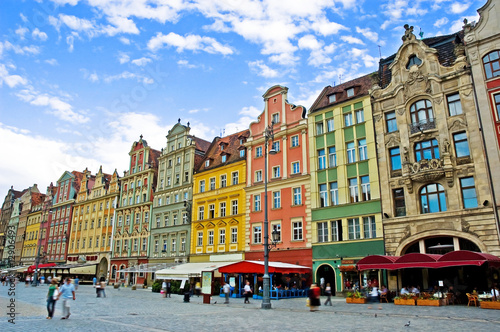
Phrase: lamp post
(266,298)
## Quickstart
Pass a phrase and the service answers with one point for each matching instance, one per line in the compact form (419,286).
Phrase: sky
(81,80)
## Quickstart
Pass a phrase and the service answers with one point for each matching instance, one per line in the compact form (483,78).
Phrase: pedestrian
(226,289)
(314,297)
(49,280)
(77,282)
(42,280)
(94,281)
(164,288)
(198,288)
(52,296)
(103,285)
(27,281)
(328,292)
(67,291)
(247,291)
(169,288)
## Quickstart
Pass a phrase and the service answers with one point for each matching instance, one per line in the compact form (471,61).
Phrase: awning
(31,269)
(83,269)
(377,262)
(416,260)
(258,267)
(464,257)
(148,267)
(187,270)
(17,269)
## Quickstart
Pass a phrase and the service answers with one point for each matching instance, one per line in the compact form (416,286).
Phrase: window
(330,125)
(136,245)
(223,158)
(362,149)
(211,211)
(222,209)
(365,188)
(276,172)
(491,64)
(201,213)
(137,218)
(297,196)
(177,178)
(276,146)
(184,218)
(413,60)
(369,227)
(146,217)
(170,163)
(207,163)
(156,246)
(174,219)
(90,242)
(360,116)
(173,247)
(399,202)
(257,234)
(223,181)
(222,236)
(350,92)
(166,221)
(234,207)
(234,178)
(332,98)
(321,159)
(323,195)
(469,196)
(332,157)
(168,181)
(297,230)
(186,176)
(211,238)
(212,183)
(319,128)
(323,231)
(119,220)
(395,159)
(497,105)
(351,152)
(421,112)
(275,118)
(454,104)
(258,152)
(353,190)
(158,222)
(354,228)
(222,147)
(234,235)
(276,199)
(348,119)
(334,193)
(427,150)
(336,230)
(258,176)
(256,202)
(295,141)
(183,244)
(242,153)
(199,242)
(432,198)
(461,145)
(296,167)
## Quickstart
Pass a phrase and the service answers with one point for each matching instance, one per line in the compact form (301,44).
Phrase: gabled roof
(200,144)
(361,84)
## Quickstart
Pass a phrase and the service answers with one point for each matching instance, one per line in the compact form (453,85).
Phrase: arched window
(427,150)
(413,60)
(421,112)
(491,62)
(432,198)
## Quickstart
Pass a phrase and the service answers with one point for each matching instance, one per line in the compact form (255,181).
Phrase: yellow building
(93,217)
(32,233)
(218,211)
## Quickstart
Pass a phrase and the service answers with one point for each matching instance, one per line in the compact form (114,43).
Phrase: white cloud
(458,24)
(262,69)
(127,75)
(186,64)
(52,62)
(65,2)
(458,8)
(24,50)
(141,61)
(442,21)
(368,60)
(123,57)
(368,34)
(352,40)
(39,34)
(70,40)
(11,80)
(189,42)
(124,40)
(247,116)
(21,31)
(76,23)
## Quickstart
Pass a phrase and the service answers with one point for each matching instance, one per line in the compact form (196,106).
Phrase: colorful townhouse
(345,193)
(5,216)
(219,202)
(172,204)
(32,238)
(436,196)
(68,186)
(133,223)
(482,44)
(46,221)
(289,204)
(11,233)
(93,218)
(24,210)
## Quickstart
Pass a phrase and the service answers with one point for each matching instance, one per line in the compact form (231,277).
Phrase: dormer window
(332,98)
(350,92)
(222,147)
(207,163)
(224,158)
(413,60)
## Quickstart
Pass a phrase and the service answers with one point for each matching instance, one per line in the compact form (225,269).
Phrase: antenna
(340,78)
(379,52)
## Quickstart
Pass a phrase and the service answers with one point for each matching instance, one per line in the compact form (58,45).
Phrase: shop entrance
(326,271)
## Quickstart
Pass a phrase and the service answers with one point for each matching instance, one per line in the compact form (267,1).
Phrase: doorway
(326,271)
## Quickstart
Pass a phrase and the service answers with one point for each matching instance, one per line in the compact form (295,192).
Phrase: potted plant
(355,297)
(489,304)
(405,299)
(426,299)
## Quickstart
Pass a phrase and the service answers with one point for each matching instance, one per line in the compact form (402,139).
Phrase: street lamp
(266,298)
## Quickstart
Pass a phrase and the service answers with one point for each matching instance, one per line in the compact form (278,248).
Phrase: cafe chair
(383,297)
(472,299)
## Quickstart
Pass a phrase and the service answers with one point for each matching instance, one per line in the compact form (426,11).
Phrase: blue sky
(80,80)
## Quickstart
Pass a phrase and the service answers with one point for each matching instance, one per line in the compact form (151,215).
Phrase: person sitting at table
(404,291)
(383,290)
(474,291)
(415,290)
(495,294)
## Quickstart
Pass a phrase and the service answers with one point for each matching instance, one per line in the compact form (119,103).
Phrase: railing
(422,125)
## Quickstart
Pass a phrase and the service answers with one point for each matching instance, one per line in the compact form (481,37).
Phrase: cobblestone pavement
(127,310)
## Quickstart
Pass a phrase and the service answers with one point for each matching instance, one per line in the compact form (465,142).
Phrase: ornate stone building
(5,215)
(434,186)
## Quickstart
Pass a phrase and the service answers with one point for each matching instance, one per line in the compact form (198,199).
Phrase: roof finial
(140,137)
(179,120)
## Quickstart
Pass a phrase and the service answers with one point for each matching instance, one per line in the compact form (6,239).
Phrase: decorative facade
(24,210)
(5,216)
(345,193)
(32,238)
(133,223)
(172,205)
(46,221)
(288,182)
(219,202)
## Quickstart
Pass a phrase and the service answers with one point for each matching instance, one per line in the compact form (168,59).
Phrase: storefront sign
(206,282)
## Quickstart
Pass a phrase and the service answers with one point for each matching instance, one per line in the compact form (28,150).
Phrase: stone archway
(102,269)
(328,273)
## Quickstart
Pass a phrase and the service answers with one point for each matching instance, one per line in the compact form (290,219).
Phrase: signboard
(206,282)
(232,281)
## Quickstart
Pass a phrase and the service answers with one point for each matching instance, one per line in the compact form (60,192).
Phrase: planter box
(355,300)
(432,303)
(404,302)
(490,304)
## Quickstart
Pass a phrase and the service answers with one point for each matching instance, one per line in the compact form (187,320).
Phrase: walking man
(247,291)
(77,282)
(227,289)
(67,291)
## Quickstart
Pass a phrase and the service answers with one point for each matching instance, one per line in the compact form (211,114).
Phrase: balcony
(422,125)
